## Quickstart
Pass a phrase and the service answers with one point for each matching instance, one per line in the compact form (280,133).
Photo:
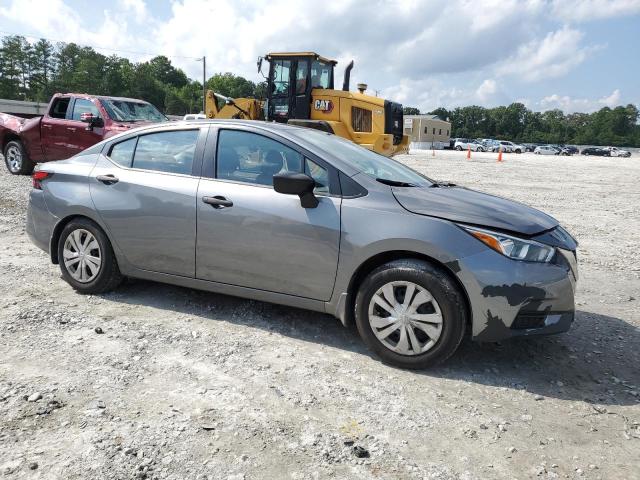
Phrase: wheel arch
(57,232)
(9,137)
(375,261)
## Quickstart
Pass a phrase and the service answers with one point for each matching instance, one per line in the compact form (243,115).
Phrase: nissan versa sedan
(304,218)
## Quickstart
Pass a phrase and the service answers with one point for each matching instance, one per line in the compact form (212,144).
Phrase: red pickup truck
(72,123)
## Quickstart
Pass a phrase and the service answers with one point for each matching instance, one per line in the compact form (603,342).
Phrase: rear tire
(86,258)
(431,341)
(16,159)
(459,148)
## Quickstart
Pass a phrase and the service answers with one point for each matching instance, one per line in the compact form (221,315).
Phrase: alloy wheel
(14,159)
(405,317)
(82,256)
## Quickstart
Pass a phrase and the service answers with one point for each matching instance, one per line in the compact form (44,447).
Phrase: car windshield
(373,164)
(132,111)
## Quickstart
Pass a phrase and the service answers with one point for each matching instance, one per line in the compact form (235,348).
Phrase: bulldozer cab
(292,77)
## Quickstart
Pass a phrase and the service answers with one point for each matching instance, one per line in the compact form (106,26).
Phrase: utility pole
(204,84)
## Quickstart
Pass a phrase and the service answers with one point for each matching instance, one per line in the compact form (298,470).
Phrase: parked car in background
(602,152)
(508,147)
(570,148)
(617,152)
(466,143)
(561,150)
(282,214)
(72,123)
(530,147)
(545,150)
(194,116)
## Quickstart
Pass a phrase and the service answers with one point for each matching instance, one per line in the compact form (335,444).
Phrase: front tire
(415,331)
(16,159)
(459,148)
(86,258)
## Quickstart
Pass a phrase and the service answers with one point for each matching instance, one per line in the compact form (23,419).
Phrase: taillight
(37,178)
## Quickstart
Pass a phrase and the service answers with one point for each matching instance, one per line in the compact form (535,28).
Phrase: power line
(98,48)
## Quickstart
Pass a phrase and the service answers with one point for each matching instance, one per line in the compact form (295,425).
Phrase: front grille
(393,119)
(360,119)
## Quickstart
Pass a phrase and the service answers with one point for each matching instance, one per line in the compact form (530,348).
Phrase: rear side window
(122,153)
(171,152)
(59,107)
(82,105)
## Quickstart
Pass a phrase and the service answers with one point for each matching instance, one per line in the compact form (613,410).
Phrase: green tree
(411,111)
(231,85)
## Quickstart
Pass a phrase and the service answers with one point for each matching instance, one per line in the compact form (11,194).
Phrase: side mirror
(91,120)
(299,184)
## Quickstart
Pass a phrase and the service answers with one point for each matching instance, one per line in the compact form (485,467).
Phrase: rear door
(263,239)
(54,133)
(144,188)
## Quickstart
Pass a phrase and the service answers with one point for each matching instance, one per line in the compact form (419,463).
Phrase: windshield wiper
(395,183)
(442,184)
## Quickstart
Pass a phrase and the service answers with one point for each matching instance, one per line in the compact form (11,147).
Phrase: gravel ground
(155,381)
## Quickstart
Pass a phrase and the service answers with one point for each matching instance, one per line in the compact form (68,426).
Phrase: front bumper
(510,298)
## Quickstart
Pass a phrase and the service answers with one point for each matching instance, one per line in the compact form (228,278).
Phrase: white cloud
(137,7)
(570,104)
(421,52)
(589,10)
(553,56)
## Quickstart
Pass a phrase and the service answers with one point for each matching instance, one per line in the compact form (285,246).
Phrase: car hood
(463,205)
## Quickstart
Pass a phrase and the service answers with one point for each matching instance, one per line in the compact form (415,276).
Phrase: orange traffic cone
(468,153)
(500,155)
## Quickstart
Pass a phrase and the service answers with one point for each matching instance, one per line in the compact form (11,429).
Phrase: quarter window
(171,152)
(122,153)
(252,158)
(82,105)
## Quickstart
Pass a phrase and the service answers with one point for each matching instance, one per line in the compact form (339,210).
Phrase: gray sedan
(304,218)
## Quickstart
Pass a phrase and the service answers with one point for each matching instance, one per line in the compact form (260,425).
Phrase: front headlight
(513,247)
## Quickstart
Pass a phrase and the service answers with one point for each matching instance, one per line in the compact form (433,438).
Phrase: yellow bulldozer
(300,91)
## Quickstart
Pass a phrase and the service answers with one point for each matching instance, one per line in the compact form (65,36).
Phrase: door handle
(217,201)
(107,179)
(71,129)
(45,125)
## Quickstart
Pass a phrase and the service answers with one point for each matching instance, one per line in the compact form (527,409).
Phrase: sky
(576,55)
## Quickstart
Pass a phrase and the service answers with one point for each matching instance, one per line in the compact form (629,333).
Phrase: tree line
(35,71)
(608,126)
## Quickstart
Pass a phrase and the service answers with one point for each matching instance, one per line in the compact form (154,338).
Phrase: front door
(145,192)
(302,97)
(80,136)
(281,89)
(251,236)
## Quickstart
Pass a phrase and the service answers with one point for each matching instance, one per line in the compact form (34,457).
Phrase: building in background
(427,131)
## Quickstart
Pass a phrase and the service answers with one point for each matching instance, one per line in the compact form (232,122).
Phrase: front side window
(251,158)
(170,152)
(319,174)
(320,74)
(82,105)
(131,111)
(281,69)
